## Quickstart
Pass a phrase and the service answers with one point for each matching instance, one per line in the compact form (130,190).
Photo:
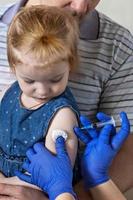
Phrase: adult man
(106,68)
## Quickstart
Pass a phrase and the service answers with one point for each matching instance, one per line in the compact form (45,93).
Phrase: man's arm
(122,166)
(10,192)
(106,191)
(15,181)
(118,96)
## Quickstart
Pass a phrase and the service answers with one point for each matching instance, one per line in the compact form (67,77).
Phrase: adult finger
(86,122)
(30,153)
(105,134)
(122,135)
(26,166)
(125,125)
(60,147)
(38,147)
(85,138)
(24,177)
(102,117)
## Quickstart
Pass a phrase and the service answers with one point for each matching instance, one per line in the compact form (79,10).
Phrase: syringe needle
(90,126)
(99,124)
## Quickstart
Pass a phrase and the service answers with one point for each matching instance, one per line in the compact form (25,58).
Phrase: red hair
(48,33)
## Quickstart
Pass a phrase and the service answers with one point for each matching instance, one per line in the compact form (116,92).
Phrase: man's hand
(12,192)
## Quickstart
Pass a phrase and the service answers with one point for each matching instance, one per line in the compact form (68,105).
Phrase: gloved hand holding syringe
(102,123)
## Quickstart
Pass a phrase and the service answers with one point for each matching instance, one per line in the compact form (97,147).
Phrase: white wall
(6,1)
(118,10)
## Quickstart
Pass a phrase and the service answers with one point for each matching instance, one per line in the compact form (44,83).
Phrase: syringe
(100,124)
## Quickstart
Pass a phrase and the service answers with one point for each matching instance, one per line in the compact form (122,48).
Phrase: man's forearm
(20,193)
(107,190)
(81,193)
(15,181)
(122,166)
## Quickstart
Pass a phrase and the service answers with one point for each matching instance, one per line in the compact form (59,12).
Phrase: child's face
(42,84)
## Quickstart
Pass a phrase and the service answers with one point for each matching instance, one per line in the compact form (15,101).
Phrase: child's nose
(43,91)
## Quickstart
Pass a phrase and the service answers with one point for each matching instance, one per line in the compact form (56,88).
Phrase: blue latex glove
(101,148)
(52,173)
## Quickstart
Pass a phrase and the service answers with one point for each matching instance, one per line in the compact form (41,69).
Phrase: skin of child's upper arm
(65,119)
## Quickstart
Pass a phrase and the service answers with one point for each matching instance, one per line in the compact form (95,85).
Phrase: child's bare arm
(65,120)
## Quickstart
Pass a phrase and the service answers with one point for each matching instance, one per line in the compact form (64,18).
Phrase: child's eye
(29,81)
(56,80)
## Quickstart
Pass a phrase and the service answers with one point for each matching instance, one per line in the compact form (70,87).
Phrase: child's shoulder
(67,95)
(66,99)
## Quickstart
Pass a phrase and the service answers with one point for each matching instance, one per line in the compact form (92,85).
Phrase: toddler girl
(41,52)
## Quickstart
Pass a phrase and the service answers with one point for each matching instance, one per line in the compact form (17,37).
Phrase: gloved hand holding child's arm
(52,173)
(100,150)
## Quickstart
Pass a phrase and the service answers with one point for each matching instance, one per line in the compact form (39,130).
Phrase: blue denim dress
(20,128)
